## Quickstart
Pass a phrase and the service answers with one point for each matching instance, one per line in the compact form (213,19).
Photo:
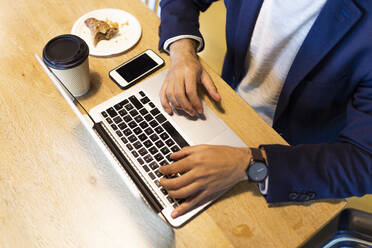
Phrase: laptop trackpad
(200,130)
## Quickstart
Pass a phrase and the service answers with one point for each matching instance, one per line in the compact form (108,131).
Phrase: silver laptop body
(137,136)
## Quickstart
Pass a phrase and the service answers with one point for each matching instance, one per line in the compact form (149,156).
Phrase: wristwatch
(257,168)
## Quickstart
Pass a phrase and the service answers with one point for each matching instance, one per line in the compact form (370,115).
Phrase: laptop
(137,136)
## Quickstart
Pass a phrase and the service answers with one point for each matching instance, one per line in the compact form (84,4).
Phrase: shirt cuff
(173,39)
(263,186)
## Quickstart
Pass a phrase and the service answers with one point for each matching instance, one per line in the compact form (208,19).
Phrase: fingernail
(191,113)
(200,111)
(174,214)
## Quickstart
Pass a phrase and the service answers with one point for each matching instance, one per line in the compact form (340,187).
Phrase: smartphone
(133,70)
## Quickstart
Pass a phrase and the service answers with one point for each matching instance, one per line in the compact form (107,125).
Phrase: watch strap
(257,155)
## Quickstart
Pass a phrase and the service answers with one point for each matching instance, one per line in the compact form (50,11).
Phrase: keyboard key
(119,133)
(143,111)
(153,123)
(158,173)
(112,113)
(142,151)
(169,142)
(170,199)
(127,118)
(137,130)
(175,205)
(151,175)
(135,154)
(158,157)
(142,93)
(145,100)
(140,161)
(118,106)
(160,118)
(132,124)
(132,138)
(164,191)
(129,107)
(122,112)
(162,163)
(154,137)
(138,118)
(157,183)
(117,119)
(171,176)
(148,158)
(149,131)
(164,150)
(153,150)
(146,168)
(164,136)
(125,101)
(152,105)
(142,137)
(109,121)
(137,145)
(159,144)
(143,125)
(122,126)
(127,132)
(148,117)
(104,114)
(147,143)
(169,158)
(175,148)
(124,140)
(135,102)
(175,135)
(155,111)
(130,147)
(154,165)
(114,127)
(133,112)
(159,129)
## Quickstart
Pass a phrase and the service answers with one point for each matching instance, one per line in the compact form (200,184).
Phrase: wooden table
(56,187)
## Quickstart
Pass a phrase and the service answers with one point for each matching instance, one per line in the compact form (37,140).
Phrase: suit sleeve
(318,171)
(180,17)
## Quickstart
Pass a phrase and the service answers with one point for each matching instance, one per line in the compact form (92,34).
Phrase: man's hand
(205,170)
(180,85)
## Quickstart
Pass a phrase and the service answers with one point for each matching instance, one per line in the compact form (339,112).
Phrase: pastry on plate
(101,30)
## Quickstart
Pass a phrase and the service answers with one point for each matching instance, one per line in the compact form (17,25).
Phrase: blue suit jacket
(325,107)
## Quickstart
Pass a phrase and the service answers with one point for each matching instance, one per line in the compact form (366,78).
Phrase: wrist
(183,47)
(245,162)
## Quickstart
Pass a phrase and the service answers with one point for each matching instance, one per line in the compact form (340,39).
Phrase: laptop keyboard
(148,135)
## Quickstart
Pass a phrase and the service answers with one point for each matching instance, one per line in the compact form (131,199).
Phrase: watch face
(257,171)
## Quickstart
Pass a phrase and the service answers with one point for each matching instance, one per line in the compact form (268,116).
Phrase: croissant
(101,30)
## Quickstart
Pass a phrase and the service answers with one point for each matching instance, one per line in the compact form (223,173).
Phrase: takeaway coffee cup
(67,56)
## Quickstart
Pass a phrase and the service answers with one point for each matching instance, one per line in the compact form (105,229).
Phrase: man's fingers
(183,101)
(170,89)
(174,168)
(189,204)
(178,182)
(192,92)
(186,191)
(209,86)
(163,98)
(185,151)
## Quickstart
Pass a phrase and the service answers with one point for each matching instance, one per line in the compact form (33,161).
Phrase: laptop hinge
(145,191)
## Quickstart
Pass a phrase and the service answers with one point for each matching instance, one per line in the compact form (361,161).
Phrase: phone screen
(136,67)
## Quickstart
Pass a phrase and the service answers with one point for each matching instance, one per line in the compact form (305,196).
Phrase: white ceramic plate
(128,35)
